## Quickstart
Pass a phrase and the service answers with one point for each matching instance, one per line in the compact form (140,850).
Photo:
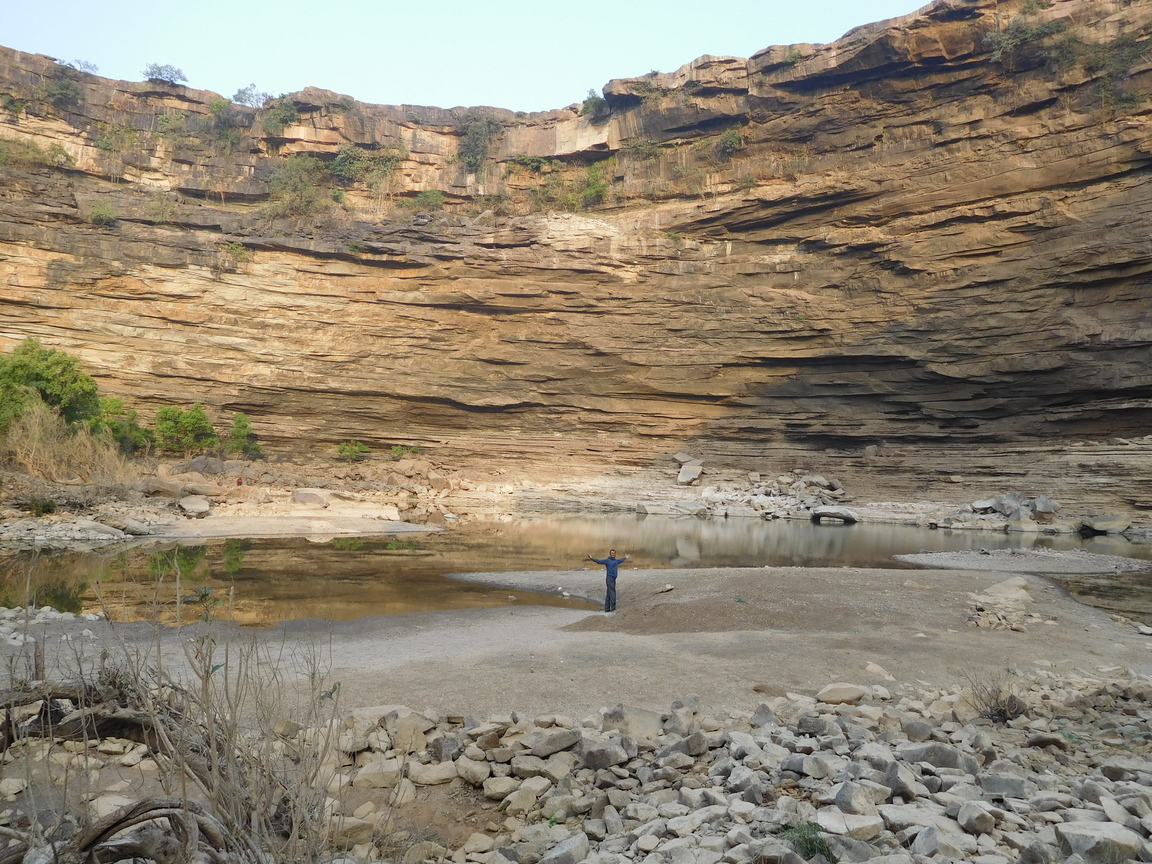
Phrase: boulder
(499,788)
(163,488)
(570,851)
(836,513)
(545,742)
(432,775)
(195,505)
(378,774)
(472,771)
(689,474)
(311,497)
(208,490)
(841,693)
(942,756)
(1103,842)
(975,818)
(636,722)
(206,465)
(653,508)
(1107,524)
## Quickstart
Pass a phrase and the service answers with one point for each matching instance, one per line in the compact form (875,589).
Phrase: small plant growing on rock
(41,506)
(101,213)
(164,73)
(729,143)
(429,199)
(296,187)
(808,840)
(992,695)
(279,115)
(351,451)
(399,451)
(595,106)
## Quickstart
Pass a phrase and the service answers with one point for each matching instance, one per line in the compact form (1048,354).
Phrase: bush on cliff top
(477,129)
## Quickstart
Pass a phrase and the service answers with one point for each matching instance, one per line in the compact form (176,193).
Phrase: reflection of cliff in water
(264,581)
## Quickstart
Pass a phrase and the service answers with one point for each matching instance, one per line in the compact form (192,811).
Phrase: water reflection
(260,582)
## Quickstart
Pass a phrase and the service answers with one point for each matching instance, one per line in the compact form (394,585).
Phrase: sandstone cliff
(916,233)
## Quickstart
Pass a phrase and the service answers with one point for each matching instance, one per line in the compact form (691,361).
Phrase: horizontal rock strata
(905,237)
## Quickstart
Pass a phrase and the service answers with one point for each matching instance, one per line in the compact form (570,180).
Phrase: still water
(261,582)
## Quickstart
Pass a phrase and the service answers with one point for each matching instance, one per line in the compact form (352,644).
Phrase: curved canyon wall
(918,232)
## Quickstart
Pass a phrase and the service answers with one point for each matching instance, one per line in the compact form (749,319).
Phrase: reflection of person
(611,566)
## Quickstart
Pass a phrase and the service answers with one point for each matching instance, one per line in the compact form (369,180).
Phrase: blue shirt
(611,565)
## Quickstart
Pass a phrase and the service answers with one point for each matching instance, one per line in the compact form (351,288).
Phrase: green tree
(185,432)
(165,73)
(250,96)
(242,439)
(34,372)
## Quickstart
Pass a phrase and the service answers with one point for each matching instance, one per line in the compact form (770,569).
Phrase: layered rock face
(919,232)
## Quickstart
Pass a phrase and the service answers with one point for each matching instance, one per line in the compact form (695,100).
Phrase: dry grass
(41,443)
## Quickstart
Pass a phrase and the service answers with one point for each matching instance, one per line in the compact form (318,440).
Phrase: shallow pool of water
(261,582)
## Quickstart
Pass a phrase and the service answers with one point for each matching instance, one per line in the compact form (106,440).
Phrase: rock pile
(795,494)
(1014,511)
(856,772)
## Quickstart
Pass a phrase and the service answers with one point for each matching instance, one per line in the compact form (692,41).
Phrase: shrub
(12,105)
(164,73)
(33,373)
(477,129)
(595,106)
(41,506)
(250,96)
(101,213)
(351,451)
(296,187)
(44,444)
(172,126)
(242,439)
(399,451)
(429,199)
(793,57)
(1018,33)
(535,164)
(25,154)
(1033,6)
(356,247)
(61,90)
(730,142)
(185,432)
(356,165)
(237,251)
(279,115)
(642,148)
(221,110)
(992,697)
(594,186)
(808,840)
(113,138)
(121,425)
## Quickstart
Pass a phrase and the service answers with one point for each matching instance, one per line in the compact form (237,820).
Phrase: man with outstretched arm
(611,566)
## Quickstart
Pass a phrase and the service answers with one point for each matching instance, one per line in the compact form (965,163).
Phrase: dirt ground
(730,635)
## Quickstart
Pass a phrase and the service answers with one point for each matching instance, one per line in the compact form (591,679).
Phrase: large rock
(195,505)
(635,722)
(163,488)
(380,773)
(1098,842)
(835,513)
(433,774)
(840,693)
(1107,524)
(571,851)
(942,756)
(689,474)
(545,742)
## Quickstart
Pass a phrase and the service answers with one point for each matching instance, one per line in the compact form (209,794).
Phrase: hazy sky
(526,56)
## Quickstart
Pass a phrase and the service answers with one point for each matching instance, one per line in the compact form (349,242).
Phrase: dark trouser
(610,596)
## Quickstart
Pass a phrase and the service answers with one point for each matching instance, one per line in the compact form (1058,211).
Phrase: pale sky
(526,56)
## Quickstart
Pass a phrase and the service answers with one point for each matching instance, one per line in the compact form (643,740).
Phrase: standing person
(611,566)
